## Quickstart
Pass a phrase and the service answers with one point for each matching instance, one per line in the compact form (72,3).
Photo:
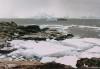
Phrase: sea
(79,27)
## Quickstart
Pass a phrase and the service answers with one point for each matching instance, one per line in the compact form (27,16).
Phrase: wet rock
(29,29)
(7,26)
(13,24)
(70,36)
(7,29)
(54,65)
(3,42)
(6,51)
(44,29)
(33,38)
(51,65)
(63,37)
(88,63)
(61,19)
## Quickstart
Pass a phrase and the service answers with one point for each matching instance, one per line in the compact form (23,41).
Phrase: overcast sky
(58,8)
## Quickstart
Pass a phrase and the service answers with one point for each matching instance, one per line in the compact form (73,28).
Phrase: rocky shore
(11,31)
(32,65)
(84,63)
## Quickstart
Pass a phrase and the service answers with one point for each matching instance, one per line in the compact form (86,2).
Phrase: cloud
(58,8)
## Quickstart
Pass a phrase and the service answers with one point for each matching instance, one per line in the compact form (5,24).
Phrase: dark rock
(63,37)
(6,51)
(54,65)
(29,29)
(33,38)
(7,29)
(70,36)
(13,24)
(61,19)
(43,66)
(44,29)
(88,63)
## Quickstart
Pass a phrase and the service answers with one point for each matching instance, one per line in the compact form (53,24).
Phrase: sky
(56,8)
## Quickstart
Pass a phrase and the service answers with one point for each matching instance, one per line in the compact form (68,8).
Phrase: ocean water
(78,27)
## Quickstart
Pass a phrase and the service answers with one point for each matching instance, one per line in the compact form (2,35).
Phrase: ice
(68,60)
(95,49)
(93,52)
(80,44)
(48,59)
(95,41)
(65,52)
(51,49)
(89,55)
(23,44)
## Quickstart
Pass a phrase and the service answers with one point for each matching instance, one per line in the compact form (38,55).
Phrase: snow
(65,52)
(92,40)
(48,59)
(77,43)
(95,49)
(23,44)
(50,49)
(68,60)
(89,55)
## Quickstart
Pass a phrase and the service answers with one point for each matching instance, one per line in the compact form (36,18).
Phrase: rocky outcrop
(7,30)
(33,65)
(63,37)
(54,65)
(33,38)
(6,51)
(28,29)
(93,63)
(10,30)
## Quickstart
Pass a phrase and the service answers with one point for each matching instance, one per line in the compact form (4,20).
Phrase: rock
(53,65)
(63,37)
(33,38)
(61,19)
(70,36)
(29,29)
(44,29)
(88,63)
(6,51)
(13,24)
(7,29)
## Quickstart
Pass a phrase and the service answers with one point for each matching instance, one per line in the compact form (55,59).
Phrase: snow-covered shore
(84,44)
(65,52)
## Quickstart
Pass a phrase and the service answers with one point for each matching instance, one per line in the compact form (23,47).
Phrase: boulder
(61,19)
(51,65)
(13,24)
(6,51)
(88,63)
(44,29)
(63,37)
(33,38)
(29,29)
(7,28)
